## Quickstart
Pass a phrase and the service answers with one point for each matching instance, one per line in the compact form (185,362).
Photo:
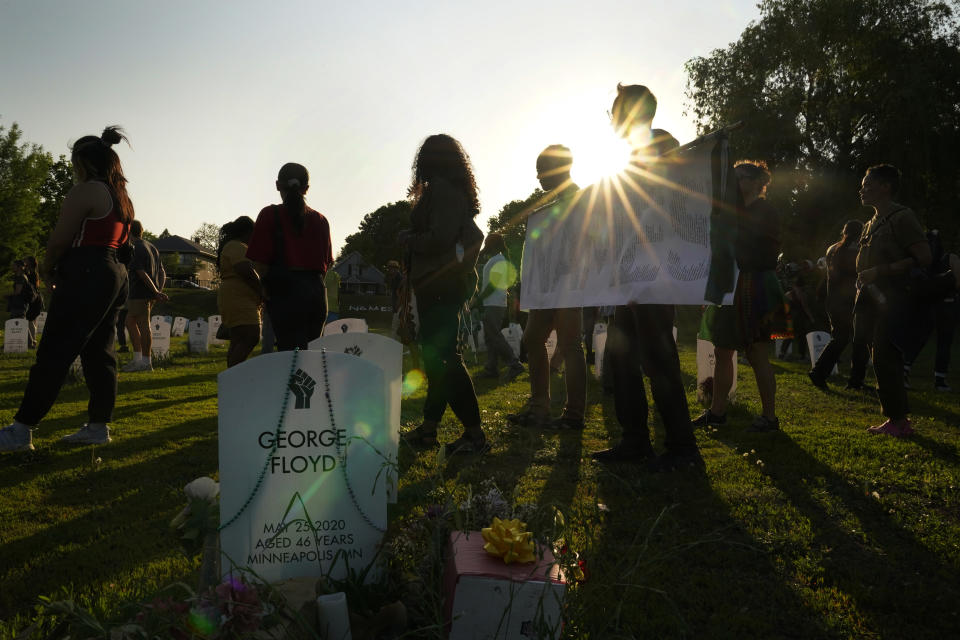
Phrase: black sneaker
(467,445)
(624,453)
(513,372)
(423,436)
(565,423)
(676,461)
(527,418)
(709,418)
(763,424)
(817,381)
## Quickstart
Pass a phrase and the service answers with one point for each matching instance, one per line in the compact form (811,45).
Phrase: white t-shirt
(497,270)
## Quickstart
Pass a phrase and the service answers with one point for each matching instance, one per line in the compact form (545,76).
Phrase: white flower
(202,489)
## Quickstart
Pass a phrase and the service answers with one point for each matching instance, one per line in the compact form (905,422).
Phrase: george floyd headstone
(817,341)
(514,335)
(160,337)
(706,363)
(300,493)
(15,336)
(198,336)
(41,321)
(214,323)
(179,326)
(346,325)
(388,355)
(599,343)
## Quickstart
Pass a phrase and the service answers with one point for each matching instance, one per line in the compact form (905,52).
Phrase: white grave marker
(514,335)
(675,334)
(551,345)
(15,336)
(179,326)
(215,322)
(76,367)
(321,503)
(160,338)
(388,355)
(41,322)
(346,325)
(706,363)
(599,343)
(156,319)
(817,341)
(777,344)
(199,333)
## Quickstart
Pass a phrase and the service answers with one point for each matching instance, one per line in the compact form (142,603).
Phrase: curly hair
(441,156)
(754,170)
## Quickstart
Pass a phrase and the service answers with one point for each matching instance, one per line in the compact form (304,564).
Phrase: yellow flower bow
(508,539)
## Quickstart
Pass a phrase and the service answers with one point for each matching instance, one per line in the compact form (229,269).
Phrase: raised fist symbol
(302,386)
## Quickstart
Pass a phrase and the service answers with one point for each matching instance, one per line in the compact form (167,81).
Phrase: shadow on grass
(669,560)
(894,581)
(121,534)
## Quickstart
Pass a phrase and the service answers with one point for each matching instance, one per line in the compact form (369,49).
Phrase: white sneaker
(16,437)
(143,365)
(89,435)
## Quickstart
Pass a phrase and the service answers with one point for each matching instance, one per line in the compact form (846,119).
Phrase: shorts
(139,307)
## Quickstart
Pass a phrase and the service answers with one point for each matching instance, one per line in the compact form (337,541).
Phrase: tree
(376,239)
(23,170)
(207,236)
(52,193)
(828,88)
(511,221)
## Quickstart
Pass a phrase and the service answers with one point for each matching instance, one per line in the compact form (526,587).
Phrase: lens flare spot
(535,233)
(412,381)
(203,621)
(503,275)
(362,429)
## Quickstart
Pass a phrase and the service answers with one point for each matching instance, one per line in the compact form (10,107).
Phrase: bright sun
(598,154)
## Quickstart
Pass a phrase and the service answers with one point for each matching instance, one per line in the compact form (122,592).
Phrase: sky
(216,96)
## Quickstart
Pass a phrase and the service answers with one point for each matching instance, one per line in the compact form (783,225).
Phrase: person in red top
(291,246)
(90,286)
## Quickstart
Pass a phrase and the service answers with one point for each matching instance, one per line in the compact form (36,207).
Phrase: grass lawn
(818,531)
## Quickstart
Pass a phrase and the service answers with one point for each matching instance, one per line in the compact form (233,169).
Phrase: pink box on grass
(486,598)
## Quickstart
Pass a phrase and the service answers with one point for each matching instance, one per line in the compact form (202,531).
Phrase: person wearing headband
(90,286)
(291,246)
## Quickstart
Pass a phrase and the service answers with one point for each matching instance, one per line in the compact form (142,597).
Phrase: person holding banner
(292,249)
(444,243)
(553,171)
(641,338)
(758,302)
(238,297)
(89,283)
(841,293)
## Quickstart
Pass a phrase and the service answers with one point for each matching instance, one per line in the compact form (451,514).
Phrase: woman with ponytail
(291,246)
(89,287)
(238,297)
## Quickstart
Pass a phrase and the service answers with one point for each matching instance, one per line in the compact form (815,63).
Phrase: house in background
(195,263)
(359,277)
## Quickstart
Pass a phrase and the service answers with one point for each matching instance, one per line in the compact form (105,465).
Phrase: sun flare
(597,156)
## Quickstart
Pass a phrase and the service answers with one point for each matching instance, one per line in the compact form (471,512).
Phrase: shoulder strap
(880,224)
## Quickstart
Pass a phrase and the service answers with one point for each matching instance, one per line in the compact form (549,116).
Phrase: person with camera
(892,245)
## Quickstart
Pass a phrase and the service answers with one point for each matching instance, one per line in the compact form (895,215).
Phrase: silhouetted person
(640,341)
(498,275)
(841,294)
(89,287)
(444,243)
(553,171)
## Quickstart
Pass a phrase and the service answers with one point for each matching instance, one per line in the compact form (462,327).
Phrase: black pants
(886,329)
(641,341)
(297,308)
(841,334)
(82,320)
(943,318)
(448,381)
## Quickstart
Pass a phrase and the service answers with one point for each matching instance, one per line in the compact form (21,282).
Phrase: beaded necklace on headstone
(342,454)
(273,449)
